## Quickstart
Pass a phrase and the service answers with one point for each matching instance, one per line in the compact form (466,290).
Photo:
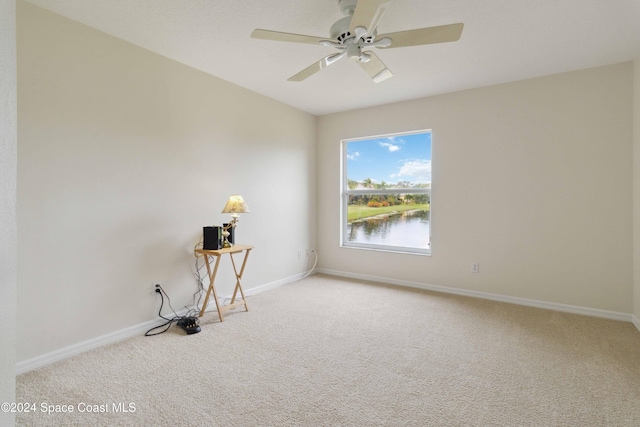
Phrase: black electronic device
(212,238)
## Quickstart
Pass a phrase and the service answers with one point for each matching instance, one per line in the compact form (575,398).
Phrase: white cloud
(415,171)
(390,146)
(353,156)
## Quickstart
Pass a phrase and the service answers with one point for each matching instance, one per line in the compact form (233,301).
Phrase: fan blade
(286,37)
(375,68)
(431,35)
(316,66)
(367,15)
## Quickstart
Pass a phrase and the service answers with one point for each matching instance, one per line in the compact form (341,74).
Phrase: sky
(405,157)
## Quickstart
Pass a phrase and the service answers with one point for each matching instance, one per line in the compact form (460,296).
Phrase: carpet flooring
(327,351)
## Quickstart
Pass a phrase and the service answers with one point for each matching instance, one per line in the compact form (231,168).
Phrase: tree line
(379,200)
(368,183)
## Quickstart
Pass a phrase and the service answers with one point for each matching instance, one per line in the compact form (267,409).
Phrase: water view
(406,229)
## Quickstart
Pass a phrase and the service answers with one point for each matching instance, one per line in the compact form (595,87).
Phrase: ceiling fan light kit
(356,31)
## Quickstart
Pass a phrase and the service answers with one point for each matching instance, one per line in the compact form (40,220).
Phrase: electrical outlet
(156,288)
(475,267)
(299,253)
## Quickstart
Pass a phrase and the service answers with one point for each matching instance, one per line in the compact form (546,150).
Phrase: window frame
(345,192)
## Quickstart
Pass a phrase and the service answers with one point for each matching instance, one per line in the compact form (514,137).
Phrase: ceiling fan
(356,32)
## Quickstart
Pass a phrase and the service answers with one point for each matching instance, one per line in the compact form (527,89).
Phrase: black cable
(168,322)
(162,292)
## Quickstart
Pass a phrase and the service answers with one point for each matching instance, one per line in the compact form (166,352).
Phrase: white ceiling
(502,41)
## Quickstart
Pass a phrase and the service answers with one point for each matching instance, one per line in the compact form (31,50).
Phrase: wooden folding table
(218,253)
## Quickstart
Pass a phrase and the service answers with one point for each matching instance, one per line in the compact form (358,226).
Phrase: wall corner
(8,233)
(636,190)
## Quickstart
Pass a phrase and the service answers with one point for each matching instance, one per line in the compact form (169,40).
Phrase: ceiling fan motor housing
(340,31)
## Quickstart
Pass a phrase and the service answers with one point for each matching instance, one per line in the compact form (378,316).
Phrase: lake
(408,229)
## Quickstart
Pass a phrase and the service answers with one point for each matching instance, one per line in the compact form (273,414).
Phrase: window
(386,192)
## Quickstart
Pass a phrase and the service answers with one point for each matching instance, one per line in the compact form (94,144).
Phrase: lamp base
(226,234)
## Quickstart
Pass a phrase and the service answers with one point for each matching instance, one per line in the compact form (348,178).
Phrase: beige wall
(123,156)
(531,179)
(8,162)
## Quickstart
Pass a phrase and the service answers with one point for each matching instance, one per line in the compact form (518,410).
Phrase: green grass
(355,212)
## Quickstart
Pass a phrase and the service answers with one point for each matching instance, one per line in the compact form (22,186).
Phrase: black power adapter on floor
(189,324)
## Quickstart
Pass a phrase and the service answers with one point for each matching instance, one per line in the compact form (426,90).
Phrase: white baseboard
(272,285)
(594,312)
(63,353)
(72,350)
(253,291)
(635,322)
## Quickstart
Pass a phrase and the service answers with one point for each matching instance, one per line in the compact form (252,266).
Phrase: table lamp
(235,205)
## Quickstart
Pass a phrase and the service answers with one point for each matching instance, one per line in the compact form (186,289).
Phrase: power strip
(189,324)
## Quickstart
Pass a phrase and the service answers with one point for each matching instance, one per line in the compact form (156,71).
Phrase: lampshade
(235,204)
